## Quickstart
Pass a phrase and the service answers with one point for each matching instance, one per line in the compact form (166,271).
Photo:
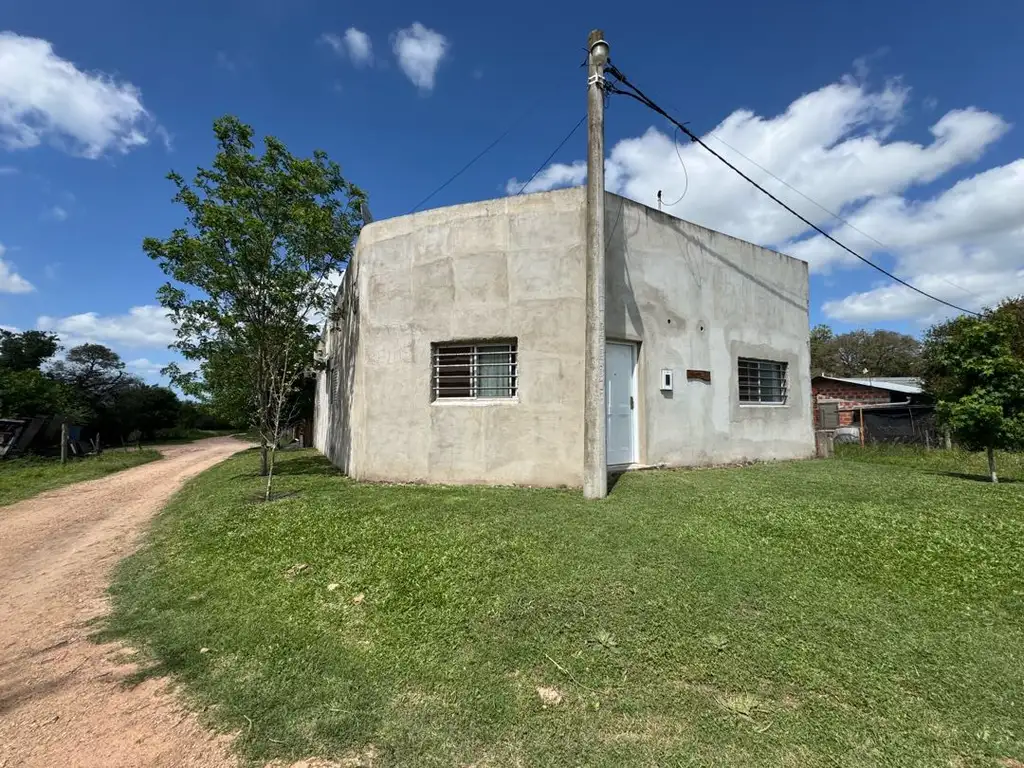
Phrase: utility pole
(595,438)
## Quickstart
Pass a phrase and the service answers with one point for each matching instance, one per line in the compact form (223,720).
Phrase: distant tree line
(90,387)
(857,353)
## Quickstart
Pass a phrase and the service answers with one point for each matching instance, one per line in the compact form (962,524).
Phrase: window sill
(764,405)
(475,401)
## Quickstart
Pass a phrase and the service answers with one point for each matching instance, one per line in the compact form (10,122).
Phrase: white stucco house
(457,351)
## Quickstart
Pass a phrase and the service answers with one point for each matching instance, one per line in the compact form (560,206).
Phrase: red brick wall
(847,395)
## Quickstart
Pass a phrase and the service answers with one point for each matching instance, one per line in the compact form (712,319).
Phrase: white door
(620,400)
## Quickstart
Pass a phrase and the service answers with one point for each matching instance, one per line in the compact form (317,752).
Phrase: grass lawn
(21,478)
(866,610)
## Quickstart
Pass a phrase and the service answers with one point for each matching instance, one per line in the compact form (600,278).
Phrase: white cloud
(355,44)
(552,177)
(143,326)
(835,145)
(419,51)
(57,213)
(11,281)
(7,170)
(46,98)
(145,366)
(360,49)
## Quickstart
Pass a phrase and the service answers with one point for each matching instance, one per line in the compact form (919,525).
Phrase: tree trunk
(992,464)
(270,474)
(264,467)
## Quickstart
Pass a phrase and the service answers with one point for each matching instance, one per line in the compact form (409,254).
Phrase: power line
(555,152)
(640,96)
(686,176)
(480,154)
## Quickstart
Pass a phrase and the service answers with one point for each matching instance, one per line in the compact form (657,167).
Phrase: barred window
(762,381)
(475,370)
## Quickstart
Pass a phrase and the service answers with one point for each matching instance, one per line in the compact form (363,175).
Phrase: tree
(24,390)
(880,352)
(250,273)
(26,351)
(974,366)
(93,373)
(29,393)
(140,407)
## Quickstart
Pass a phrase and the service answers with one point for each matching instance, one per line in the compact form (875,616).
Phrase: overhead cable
(553,153)
(637,94)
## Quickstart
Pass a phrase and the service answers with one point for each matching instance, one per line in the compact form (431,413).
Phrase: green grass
(25,477)
(867,610)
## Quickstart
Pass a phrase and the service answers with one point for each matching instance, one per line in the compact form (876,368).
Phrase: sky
(908,123)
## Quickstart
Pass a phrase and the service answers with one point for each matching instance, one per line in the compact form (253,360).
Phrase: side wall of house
(696,299)
(337,397)
(503,269)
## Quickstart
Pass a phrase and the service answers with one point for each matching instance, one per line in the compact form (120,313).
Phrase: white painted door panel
(620,392)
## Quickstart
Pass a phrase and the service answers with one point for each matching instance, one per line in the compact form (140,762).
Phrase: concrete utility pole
(595,438)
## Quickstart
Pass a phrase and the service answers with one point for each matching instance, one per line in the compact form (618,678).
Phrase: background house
(850,393)
(457,349)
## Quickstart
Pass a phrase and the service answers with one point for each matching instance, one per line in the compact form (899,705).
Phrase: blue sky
(905,120)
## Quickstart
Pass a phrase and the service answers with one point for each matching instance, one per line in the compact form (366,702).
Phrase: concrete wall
(508,268)
(698,299)
(514,268)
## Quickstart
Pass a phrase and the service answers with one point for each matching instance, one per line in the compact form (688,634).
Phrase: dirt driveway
(61,701)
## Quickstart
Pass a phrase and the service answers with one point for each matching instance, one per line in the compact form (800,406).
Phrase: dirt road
(61,699)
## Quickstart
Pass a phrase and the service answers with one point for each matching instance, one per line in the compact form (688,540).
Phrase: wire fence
(908,425)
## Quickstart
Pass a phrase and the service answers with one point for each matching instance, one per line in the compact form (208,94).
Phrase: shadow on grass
(307,465)
(976,478)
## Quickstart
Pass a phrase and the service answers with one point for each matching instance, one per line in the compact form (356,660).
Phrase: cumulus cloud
(46,98)
(554,176)
(143,326)
(145,367)
(836,146)
(355,44)
(419,51)
(11,281)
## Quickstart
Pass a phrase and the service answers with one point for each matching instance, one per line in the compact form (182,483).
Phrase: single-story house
(456,350)
(850,393)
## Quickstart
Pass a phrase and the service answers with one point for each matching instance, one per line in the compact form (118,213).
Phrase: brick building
(851,393)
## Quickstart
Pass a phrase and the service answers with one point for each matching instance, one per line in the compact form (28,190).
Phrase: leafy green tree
(140,407)
(30,393)
(974,366)
(92,374)
(26,351)
(250,273)
(879,352)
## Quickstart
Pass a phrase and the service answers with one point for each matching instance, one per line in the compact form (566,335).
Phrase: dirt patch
(62,701)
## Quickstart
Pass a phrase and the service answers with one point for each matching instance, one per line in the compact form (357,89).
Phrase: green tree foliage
(93,375)
(24,389)
(974,366)
(880,352)
(139,407)
(250,272)
(26,351)
(29,393)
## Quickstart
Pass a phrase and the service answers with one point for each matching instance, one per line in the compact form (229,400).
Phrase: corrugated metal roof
(908,385)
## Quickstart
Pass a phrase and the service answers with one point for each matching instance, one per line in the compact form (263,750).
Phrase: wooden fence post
(64,442)
(861,427)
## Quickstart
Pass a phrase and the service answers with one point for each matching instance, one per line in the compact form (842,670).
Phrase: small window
(479,371)
(762,381)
